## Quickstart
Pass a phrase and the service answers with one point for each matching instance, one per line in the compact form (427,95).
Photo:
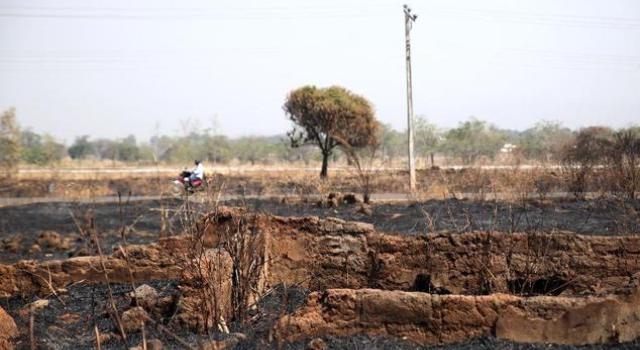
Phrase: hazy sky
(112,68)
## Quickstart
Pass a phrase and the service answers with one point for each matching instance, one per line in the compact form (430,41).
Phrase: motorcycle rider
(197,175)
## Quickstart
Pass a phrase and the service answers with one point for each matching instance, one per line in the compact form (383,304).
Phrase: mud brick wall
(439,319)
(332,253)
(145,262)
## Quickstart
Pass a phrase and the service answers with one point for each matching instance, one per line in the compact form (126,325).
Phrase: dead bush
(242,239)
(206,288)
(624,163)
(474,181)
(224,282)
(582,155)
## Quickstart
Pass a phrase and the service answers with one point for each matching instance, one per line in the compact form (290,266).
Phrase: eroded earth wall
(322,254)
(141,263)
(439,319)
(332,253)
(367,282)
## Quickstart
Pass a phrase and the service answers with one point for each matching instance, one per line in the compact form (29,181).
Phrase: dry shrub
(467,181)
(624,163)
(224,281)
(519,184)
(545,182)
(536,277)
(319,186)
(582,156)
(242,239)
(206,285)
(478,182)
(523,184)
(206,274)
(362,161)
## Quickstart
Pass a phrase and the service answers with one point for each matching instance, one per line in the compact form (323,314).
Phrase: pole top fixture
(407,11)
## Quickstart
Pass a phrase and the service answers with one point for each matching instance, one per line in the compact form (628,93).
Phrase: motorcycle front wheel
(176,189)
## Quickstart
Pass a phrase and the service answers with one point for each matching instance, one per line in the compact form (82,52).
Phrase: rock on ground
(134,319)
(145,296)
(8,330)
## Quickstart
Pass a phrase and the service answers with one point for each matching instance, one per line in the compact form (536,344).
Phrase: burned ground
(599,217)
(68,321)
(24,224)
(70,325)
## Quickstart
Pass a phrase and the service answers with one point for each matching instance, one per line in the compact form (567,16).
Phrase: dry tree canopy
(329,118)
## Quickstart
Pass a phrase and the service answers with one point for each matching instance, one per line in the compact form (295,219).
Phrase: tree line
(471,141)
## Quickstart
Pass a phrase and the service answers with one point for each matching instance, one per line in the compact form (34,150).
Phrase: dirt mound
(438,319)
(53,240)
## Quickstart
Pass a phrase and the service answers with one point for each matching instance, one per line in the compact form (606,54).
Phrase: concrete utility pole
(409,18)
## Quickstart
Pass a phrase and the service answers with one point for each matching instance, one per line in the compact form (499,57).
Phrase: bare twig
(32,339)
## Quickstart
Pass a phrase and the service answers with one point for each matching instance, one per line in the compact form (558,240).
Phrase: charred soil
(437,274)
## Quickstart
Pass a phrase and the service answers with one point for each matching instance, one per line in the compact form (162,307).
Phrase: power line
(538,19)
(304,12)
(191,13)
(523,14)
(258,9)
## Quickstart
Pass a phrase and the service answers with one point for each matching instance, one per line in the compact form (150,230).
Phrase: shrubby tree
(81,148)
(127,149)
(104,149)
(146,153)
(473,139)
(160,146)
(255,149)
(31,148)
(393,144)
(544,141)
(54,151)
(9,142)
(329,118)
(183,149)
(426,136)
(40,149)
(218,149)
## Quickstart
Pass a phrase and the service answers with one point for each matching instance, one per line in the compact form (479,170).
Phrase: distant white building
(508,148)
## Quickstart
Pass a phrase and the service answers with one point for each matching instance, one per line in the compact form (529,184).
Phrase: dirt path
(229,169)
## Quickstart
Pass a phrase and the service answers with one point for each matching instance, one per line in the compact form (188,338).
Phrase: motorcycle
(184,185)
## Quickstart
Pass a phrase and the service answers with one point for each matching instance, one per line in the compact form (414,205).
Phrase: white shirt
(198,171)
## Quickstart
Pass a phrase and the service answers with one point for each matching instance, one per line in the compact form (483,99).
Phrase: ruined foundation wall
(327,254)
(438,319)
(322,254)
(145,262)
(332,253)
